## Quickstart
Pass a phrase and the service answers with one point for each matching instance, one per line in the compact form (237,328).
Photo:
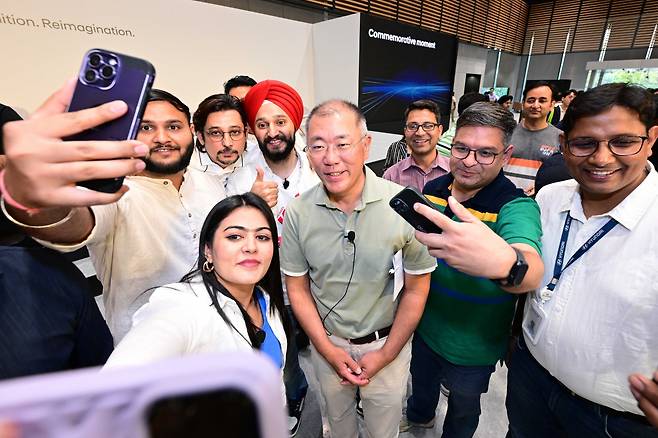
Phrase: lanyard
(558,269)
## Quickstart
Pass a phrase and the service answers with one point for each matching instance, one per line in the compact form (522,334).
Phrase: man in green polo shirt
(488,252)
(357,277)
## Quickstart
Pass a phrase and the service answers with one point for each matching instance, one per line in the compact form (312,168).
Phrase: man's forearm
(72,231)
(410,309)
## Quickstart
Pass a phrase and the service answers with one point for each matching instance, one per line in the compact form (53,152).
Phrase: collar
(489,198)
(368,195)
(628,212)
(439,161)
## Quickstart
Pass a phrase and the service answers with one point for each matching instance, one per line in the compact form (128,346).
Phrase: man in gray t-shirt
(534,139)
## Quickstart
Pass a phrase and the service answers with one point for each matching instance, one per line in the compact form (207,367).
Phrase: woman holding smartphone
(232,301)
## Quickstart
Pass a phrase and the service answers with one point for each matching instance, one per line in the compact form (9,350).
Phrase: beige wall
(194,46)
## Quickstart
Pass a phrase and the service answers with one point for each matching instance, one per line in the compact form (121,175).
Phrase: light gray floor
(493,421)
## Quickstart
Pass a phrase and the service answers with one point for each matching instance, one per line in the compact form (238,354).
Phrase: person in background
(506,102)
(239,86)
(422,130)
(465,101)
(534,139)
(220,124)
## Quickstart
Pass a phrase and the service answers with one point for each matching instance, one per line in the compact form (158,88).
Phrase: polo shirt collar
(630,211)
(368,195)
(484,197)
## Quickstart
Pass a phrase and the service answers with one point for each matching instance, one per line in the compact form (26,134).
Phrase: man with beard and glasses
(281,173)
(149,237)
(220,124)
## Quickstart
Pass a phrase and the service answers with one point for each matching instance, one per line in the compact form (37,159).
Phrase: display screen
(398,64)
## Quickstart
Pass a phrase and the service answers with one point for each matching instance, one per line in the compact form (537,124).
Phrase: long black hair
(271,282)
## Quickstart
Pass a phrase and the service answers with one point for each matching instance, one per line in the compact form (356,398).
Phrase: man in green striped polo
(487,254)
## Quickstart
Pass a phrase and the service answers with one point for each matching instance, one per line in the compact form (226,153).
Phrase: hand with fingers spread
(645,392)
(42,169)
(468,246)
(347,368)
(268,190)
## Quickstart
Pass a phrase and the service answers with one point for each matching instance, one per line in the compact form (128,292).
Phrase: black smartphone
(403,204)
(106,76)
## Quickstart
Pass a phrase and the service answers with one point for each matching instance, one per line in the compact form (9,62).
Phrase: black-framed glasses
(622,146)
(217,135)
(482,156)
(427,126)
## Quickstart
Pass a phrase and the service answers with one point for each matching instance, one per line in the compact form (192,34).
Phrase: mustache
(280,137)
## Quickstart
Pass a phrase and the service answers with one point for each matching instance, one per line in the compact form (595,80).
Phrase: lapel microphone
(351,235)
(286,183)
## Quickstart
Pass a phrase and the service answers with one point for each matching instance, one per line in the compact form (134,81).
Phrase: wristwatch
(516,273)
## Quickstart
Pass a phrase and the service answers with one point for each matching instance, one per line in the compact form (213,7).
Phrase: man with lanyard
(487,254)
(278,175)
(593,322)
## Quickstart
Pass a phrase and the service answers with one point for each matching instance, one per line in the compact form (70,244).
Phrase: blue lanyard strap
(558,269)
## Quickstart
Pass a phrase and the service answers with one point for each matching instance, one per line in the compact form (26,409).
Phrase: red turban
(282,95)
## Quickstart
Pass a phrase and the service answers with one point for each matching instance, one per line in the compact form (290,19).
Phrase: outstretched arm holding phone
(42,170)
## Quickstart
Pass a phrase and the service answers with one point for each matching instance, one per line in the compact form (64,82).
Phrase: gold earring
(207,266)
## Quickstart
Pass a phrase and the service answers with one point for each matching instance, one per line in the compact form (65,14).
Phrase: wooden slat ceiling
(631,23)
(492,23)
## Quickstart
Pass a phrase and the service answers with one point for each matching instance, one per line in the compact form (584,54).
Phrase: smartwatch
(516,273)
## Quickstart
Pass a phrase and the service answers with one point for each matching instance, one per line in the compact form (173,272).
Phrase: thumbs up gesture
(468,246)
(268,190)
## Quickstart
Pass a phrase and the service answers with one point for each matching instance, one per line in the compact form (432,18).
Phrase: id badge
(534,322)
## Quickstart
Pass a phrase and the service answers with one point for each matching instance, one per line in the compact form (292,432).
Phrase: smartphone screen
(105,76)
(227,413)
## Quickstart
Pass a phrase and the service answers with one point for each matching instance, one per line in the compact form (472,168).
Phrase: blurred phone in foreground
(232,395)
(103,77)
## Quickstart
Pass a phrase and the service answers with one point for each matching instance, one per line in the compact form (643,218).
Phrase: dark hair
(604,97)
(469,99)
(238,81)
(271,282)
(423,104)
(161,95)
(537,85)
(330,107)
(212,104)
(655,104)
(504,99)
(489,114)
(570,91)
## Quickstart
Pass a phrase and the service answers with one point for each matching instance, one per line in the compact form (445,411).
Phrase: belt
(377,334)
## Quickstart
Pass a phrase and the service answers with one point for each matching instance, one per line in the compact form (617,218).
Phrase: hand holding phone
(403,204)
(106,76)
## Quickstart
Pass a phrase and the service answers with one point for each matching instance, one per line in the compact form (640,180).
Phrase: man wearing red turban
(278,175)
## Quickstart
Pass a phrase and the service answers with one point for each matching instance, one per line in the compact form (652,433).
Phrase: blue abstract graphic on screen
(377,92)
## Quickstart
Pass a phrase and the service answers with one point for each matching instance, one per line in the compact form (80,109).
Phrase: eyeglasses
(621,146)
(482,156)
(341,148)
(217,135)
(427,126)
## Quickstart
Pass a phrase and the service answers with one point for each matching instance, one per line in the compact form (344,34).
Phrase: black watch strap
(517,271)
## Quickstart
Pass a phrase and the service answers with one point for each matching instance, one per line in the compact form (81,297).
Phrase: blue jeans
(466,384)
(538,406)
(293,376)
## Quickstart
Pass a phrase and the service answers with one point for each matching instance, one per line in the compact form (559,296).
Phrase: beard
(171,168)
(276,156)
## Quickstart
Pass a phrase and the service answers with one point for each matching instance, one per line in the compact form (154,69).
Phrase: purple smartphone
(106,76)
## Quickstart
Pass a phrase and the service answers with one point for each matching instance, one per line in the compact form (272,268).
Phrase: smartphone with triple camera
(106,76)
(403,204)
